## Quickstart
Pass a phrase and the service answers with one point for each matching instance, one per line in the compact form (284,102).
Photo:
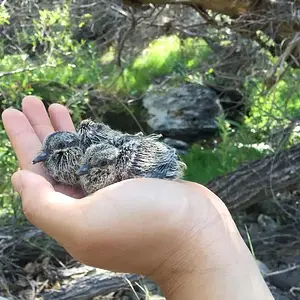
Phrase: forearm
(221,289)
(215,265)
(241,280)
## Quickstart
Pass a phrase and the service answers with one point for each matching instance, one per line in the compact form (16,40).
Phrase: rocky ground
(35,267)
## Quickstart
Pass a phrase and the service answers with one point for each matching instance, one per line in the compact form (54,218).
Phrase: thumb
(24,182)
(52,212)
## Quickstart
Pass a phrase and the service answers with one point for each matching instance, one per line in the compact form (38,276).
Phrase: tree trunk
(227,7)
(92,286)
(259,180)
(279,20)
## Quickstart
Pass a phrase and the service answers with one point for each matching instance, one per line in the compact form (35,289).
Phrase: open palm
(28,129)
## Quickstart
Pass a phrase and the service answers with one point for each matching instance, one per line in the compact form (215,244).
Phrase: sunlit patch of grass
(205,165)
(195,51)
(202,165)
(108,56)
(163,56)
(158,54)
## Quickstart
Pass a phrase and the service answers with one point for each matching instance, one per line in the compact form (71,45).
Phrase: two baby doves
(97,156)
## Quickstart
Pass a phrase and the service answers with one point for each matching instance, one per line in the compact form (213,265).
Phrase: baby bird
(61,155)
(93,133)
(128,157)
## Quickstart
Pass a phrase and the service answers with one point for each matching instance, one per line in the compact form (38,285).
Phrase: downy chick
(93,133)
(96,132)
(129,157)
(61,155)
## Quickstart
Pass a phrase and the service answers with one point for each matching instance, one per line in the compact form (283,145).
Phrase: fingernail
(17,182)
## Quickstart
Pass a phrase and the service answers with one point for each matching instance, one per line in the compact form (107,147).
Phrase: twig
(123,40)
(290,269)
(2,4)
(92,286)
(27,69)
(285,55)
(130,284)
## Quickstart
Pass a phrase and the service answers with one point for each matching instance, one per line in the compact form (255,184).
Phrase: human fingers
(36,113)
(60,118)
(23,138)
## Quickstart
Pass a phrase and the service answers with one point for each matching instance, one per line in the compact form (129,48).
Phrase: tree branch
(249,17)
(27,69)
(92,286)
(259,180)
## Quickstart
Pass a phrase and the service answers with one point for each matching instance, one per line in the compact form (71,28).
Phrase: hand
(28,129)
(124,213)
(179,233)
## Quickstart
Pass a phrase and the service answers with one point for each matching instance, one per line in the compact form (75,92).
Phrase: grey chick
(129,157)
(92,133)
(96,132)
(61,155)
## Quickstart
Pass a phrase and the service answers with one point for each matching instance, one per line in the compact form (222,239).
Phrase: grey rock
(264,270)
(253,229)
(186,112)
(285,278)
(267,223)
(279,295)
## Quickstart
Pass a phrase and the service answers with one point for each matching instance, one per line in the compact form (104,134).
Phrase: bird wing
(156,160)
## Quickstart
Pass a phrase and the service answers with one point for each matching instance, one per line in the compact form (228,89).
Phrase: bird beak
(83,170)
(41,157)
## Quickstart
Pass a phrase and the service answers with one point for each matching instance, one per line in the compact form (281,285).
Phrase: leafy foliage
(164,56)
(235,148)
(271,108)
(4,16)
(8,165)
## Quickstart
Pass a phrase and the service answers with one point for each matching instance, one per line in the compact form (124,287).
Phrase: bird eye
(61,145)
(104,163)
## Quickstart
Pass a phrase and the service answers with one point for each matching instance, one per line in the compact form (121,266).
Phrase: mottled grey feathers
(126,158)
(97,156)
(61,155)
(94,133)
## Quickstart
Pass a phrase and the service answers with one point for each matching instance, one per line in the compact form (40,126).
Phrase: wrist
(233,275)
(212,261)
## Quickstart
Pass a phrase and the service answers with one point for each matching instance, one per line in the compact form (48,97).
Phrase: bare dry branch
(261,180)
(27,69)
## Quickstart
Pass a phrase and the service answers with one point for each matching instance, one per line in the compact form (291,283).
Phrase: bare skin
(179,233)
